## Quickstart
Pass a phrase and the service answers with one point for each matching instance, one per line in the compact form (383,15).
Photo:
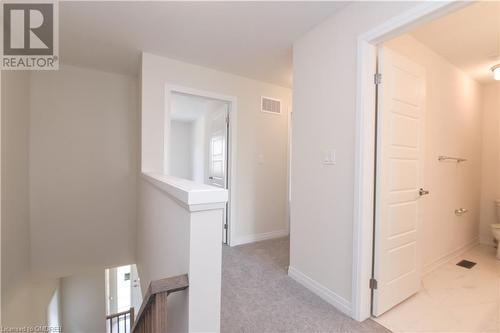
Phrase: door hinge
(373,284)
(377,78)
(225,226)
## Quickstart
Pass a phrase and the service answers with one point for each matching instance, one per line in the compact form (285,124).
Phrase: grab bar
(449,158)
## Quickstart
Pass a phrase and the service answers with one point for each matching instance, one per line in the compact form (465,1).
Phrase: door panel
(218,156)
(135,290)
(400,143)
(217,150)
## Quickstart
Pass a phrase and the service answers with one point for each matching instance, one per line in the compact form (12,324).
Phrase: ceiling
(468,38)
(252,39)
(188,108)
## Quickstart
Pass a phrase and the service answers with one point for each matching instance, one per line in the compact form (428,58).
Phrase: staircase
(152,316)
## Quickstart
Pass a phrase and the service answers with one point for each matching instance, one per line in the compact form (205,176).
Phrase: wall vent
(270,105)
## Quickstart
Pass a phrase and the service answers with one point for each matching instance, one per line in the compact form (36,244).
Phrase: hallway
(258,295)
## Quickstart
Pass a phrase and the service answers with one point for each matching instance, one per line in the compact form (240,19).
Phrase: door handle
(210,177)
(422,192)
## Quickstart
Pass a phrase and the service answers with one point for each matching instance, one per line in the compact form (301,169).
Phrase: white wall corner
(450,256)
(331,297)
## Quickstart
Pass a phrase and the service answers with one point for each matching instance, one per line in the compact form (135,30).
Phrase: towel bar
(449,158)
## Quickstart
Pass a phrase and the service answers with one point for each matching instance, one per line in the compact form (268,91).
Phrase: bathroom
(455,142)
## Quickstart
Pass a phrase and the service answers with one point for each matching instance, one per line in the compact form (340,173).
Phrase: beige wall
(24,299)
(83,302)
(84,141)
(324,99)
(261,188)
(15,199)
(181,163)
(490,190)
(452,127)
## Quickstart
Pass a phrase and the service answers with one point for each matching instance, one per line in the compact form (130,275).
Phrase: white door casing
(400,149)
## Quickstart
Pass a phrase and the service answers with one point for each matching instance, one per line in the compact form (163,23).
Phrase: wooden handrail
(154,304)
(119,314)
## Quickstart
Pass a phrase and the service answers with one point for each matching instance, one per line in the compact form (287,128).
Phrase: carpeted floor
(258,296)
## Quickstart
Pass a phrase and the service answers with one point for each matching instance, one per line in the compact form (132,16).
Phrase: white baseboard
(489,241)
(240,240)
(444,259)
(337,301)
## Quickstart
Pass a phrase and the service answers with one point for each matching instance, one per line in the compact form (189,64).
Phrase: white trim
(487,243)
(240,240)
(289,170)
(451,255)
(337,301)
(232,151)
(365,144)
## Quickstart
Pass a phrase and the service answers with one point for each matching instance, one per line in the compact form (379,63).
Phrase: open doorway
(424,156)
(123,293)
(199,142)
(435,92)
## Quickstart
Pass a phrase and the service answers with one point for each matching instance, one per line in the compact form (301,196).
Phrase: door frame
(365,142)
(231,144)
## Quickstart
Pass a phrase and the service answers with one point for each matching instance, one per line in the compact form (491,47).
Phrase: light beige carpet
(258,296)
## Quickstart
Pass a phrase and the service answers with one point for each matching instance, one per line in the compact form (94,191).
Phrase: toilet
(495,228)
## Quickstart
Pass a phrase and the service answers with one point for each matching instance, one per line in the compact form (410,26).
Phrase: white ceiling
(188,108)
(252,39)
(468,38)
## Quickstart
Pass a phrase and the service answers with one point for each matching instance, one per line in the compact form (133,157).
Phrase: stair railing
(152,316)
(117,322)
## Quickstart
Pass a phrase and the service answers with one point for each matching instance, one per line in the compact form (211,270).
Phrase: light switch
(260,159)
(329,157)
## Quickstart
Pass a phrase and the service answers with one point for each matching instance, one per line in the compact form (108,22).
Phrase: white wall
(181,149)
(163,247)
(261,188)
(453,128)
(199,150)
(42,291)
(84,139)
(178,236)
(490,190)
(83,302)
(324,97)
(54,311)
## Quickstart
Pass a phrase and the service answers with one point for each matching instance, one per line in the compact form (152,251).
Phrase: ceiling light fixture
(496,72)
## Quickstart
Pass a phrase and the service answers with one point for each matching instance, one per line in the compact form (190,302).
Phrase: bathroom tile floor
(453,298)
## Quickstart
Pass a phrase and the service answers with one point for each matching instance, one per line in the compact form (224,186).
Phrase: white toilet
(495,228)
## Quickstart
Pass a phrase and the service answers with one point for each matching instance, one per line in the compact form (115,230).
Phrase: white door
(217,155)
(135,289)
(400,143)
(112,305)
